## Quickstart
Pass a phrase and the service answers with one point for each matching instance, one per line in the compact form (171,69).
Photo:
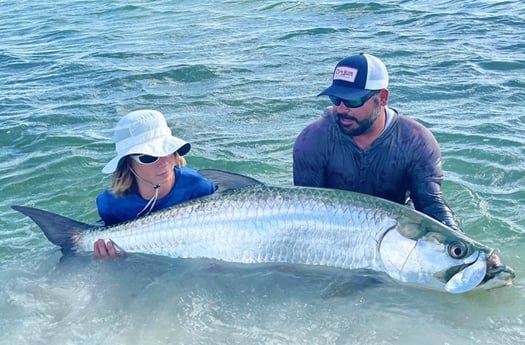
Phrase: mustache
(343,116)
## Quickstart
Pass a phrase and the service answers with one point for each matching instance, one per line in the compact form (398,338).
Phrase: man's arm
(430,200)
(309,158)
(426,180)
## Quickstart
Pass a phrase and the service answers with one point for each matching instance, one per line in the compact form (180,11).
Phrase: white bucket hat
(144,132)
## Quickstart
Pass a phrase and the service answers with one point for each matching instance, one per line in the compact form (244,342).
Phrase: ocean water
(239,80)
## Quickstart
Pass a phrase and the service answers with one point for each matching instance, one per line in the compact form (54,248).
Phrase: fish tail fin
(58,229)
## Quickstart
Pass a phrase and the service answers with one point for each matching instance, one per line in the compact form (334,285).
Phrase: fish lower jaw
(498,276)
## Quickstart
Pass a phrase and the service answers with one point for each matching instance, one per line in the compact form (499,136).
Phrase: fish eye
(457,250)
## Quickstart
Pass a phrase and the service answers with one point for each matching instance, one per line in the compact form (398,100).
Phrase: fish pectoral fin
(468,278)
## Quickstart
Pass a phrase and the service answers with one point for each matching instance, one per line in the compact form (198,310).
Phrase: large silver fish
(249,222)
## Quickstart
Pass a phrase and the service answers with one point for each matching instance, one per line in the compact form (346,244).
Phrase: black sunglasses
(354,103)
(145,159)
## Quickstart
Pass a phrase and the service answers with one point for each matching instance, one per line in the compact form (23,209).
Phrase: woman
(149,173)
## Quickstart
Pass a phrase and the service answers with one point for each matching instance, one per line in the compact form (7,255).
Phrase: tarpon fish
(246,221)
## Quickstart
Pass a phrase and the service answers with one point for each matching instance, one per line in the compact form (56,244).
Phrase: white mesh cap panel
(377,74)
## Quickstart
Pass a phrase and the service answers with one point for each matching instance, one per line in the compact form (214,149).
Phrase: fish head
(429,254)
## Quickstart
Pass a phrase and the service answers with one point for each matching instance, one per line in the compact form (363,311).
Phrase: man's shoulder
(410,123)
(408,127)
(318,128)
(326,119)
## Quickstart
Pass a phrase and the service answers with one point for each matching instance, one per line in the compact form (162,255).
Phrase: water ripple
(239,80)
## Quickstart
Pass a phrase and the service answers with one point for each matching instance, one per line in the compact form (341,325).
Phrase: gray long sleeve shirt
(404,162)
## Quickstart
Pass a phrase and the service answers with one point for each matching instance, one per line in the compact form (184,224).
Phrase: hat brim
(344,92)
(158,147)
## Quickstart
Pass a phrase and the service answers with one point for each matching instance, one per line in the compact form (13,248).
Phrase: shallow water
(239,80)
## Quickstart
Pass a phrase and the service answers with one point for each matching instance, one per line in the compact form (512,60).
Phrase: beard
(361,126)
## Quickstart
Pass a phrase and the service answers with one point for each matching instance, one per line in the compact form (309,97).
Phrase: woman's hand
(105,250)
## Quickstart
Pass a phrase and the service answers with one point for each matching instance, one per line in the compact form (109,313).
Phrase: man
(360,144)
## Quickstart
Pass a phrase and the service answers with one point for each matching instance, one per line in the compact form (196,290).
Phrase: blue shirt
(189,184)
(405,161)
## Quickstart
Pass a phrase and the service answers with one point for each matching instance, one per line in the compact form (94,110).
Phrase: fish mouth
(498,272)
(483,272)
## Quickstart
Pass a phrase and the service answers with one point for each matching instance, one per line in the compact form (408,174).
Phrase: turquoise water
(239,80)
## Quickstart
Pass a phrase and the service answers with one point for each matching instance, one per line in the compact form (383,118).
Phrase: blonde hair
(123,180)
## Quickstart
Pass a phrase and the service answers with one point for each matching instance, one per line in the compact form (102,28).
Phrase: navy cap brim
(344,92)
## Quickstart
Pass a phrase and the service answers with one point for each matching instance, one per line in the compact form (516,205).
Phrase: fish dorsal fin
(227,180)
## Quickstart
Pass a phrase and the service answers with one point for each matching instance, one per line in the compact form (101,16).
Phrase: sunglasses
(145,159)
(354,103)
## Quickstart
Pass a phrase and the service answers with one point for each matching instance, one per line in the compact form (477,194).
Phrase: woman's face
(158,172)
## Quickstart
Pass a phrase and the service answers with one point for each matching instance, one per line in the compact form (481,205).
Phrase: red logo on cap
(345,73)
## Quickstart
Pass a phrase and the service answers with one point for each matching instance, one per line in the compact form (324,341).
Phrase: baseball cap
(357,75)
(144,132)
